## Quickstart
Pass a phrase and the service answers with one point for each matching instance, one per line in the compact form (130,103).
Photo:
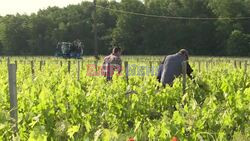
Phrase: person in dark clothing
(172,67)
(160,70)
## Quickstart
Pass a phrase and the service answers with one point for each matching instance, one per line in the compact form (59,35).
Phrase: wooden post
(78,70)
(150,65)
(245,68)
(211,66)
(8,61)
(126,70)
(13,96)
(69,66)
(108,71)
(41,64)
(61,63)
(206,66)
(240,64)
(16,63)
(199,64)
(235,64)
(32,68)
(96,62)
(184,75)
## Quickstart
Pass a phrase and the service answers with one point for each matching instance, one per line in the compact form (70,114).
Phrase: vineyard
(58,100)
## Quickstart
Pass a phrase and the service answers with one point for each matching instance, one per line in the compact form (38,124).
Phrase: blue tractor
(69,50)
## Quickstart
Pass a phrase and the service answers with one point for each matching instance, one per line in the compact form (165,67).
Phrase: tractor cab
(69,50)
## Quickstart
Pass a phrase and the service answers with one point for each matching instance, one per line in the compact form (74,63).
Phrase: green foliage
(53,105)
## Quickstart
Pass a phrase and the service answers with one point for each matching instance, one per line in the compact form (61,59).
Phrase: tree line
(38,33)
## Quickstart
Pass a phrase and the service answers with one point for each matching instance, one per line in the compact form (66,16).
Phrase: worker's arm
(160,69)
(189,71)
(163,75)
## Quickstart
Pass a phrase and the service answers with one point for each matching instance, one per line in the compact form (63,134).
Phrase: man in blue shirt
(172,67)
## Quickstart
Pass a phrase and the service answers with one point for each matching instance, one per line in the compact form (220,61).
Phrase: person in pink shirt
(111,63)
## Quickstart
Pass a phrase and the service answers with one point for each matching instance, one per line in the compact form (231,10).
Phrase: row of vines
(54,105)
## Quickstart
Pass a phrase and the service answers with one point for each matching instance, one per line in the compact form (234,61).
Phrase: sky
(30,6)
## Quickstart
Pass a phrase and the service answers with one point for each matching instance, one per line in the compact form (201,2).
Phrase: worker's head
(116,51)
(184,53)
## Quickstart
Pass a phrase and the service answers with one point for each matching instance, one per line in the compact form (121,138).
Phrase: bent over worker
(111,63)
(172,67)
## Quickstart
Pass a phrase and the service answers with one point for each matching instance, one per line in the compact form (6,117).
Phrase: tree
(15,34)
(39,33)
(41,40)
(2,35)
(238,43)
(225,28)
(106,22)
(129,29)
